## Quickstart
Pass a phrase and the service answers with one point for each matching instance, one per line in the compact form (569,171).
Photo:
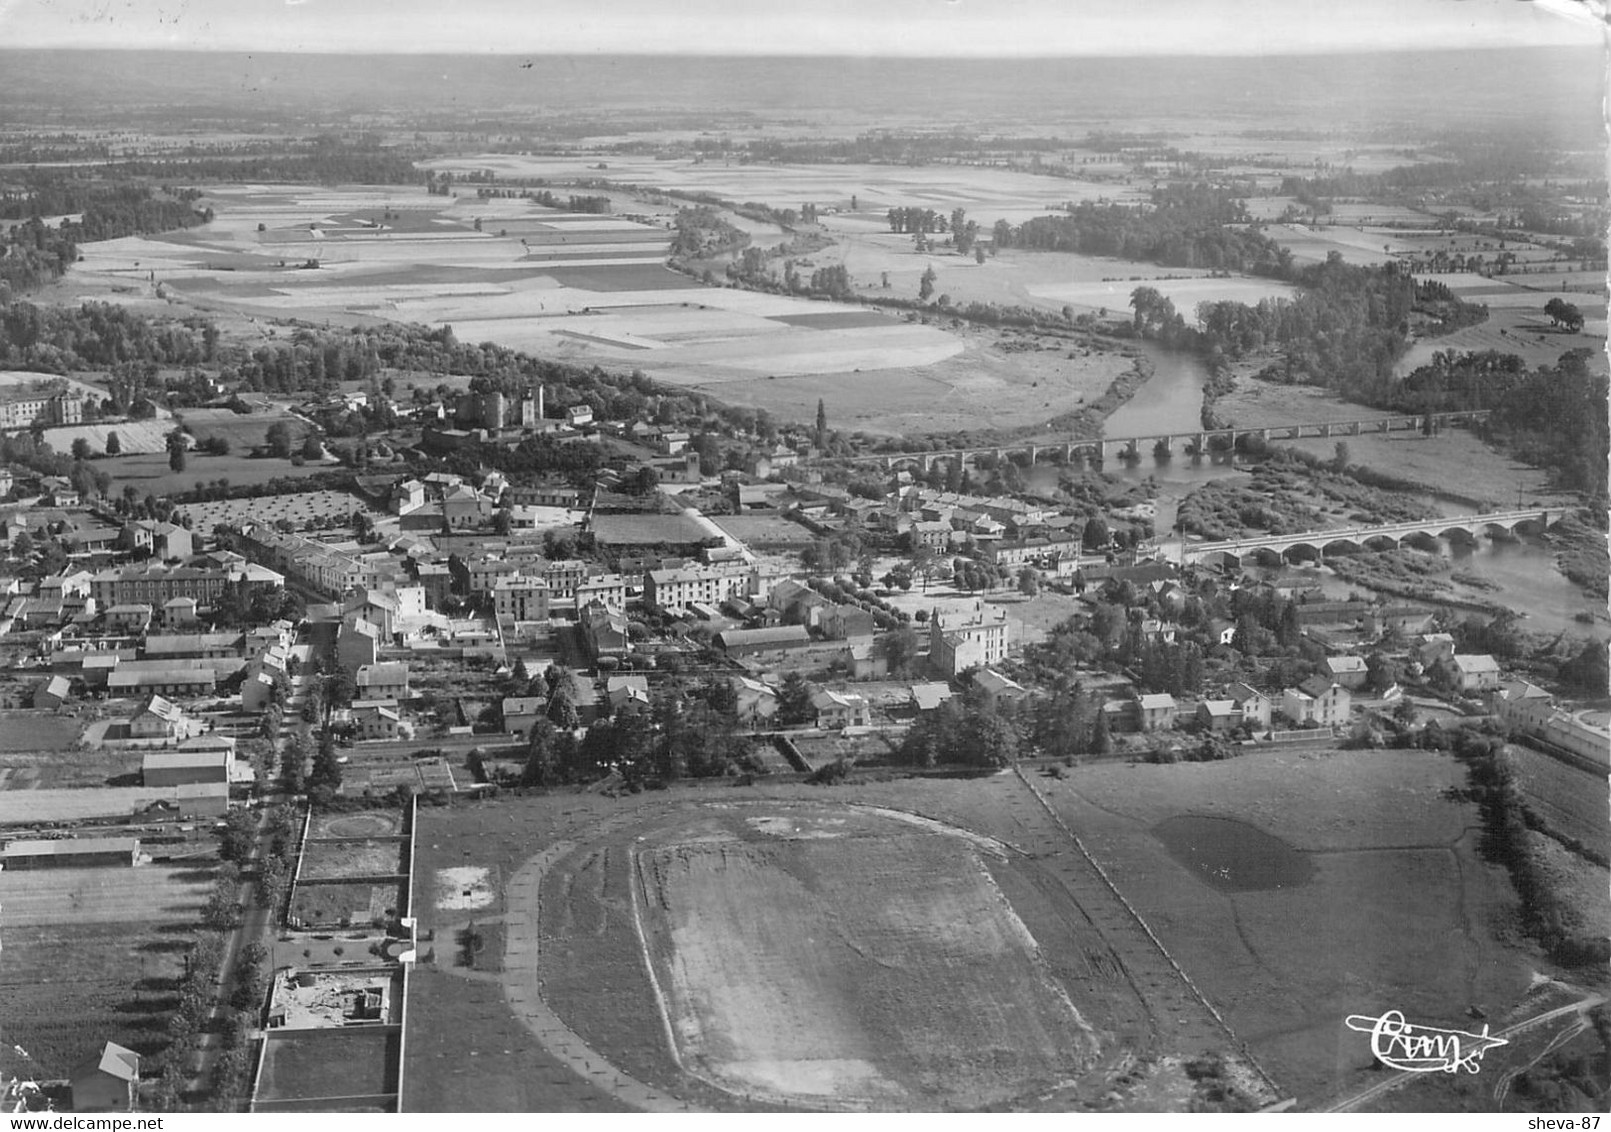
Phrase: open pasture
(243,430)
(149,474)
(1399,911)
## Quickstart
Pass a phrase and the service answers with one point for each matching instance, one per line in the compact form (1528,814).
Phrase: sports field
(846,961)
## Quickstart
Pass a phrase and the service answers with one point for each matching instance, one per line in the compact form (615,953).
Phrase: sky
(963,28)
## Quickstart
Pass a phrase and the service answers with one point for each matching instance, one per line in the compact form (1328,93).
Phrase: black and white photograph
(971,557)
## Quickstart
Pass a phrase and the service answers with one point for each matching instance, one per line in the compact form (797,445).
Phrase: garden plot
(329,860)
(370,823)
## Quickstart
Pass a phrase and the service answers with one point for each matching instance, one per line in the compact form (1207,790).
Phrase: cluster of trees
(688,731)
(1507,820)
(60,339)
(1184,225)
(1552,416)
(702,233)
(966,730)
(34,254)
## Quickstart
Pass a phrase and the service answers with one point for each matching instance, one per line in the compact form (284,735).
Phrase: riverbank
(1455,465)
(1286,496)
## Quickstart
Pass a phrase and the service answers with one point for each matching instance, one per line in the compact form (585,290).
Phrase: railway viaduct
(1197,442)
(1355,539)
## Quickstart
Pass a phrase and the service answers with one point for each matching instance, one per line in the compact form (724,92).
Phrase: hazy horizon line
(972,57)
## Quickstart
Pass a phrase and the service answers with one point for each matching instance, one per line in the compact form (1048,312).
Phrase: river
(1170,401)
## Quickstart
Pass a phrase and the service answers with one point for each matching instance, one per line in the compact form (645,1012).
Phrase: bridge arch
(1301,552)
(1380,542)
(1340,546)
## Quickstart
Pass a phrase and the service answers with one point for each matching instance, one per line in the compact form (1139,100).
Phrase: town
(484,630)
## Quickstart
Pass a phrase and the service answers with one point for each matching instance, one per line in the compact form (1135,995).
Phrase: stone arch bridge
(1195,442)
(1352,540)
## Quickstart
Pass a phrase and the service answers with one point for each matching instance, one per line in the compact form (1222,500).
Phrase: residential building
(929,696)
(387,681)
(521,713)
(994,686)
(357,643)
(1217,715)
(676,589)
(521,598)
(1523,705)
(1317,700)
(623,690)
(160,540)
(375,720)
(756,702)
(1254,706)
(1475,673)
(257,692)
(158,718)
(49,402)
(967,639)
(130,619)
(1349,671)
(1156,712)
(604,631)
(107,1081)
(838,710)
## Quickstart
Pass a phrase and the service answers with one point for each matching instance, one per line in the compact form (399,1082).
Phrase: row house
(519,598)
(675,590)
(609,590)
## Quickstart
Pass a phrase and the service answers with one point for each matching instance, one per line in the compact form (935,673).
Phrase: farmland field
(91,955)
(1571,801)
(106,895)
(67,988)
(37,731)
(595,290)
(71,767)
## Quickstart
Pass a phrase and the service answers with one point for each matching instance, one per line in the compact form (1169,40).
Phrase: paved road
(253,925)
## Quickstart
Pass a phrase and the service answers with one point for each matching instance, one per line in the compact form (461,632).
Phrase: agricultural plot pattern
(511,271)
